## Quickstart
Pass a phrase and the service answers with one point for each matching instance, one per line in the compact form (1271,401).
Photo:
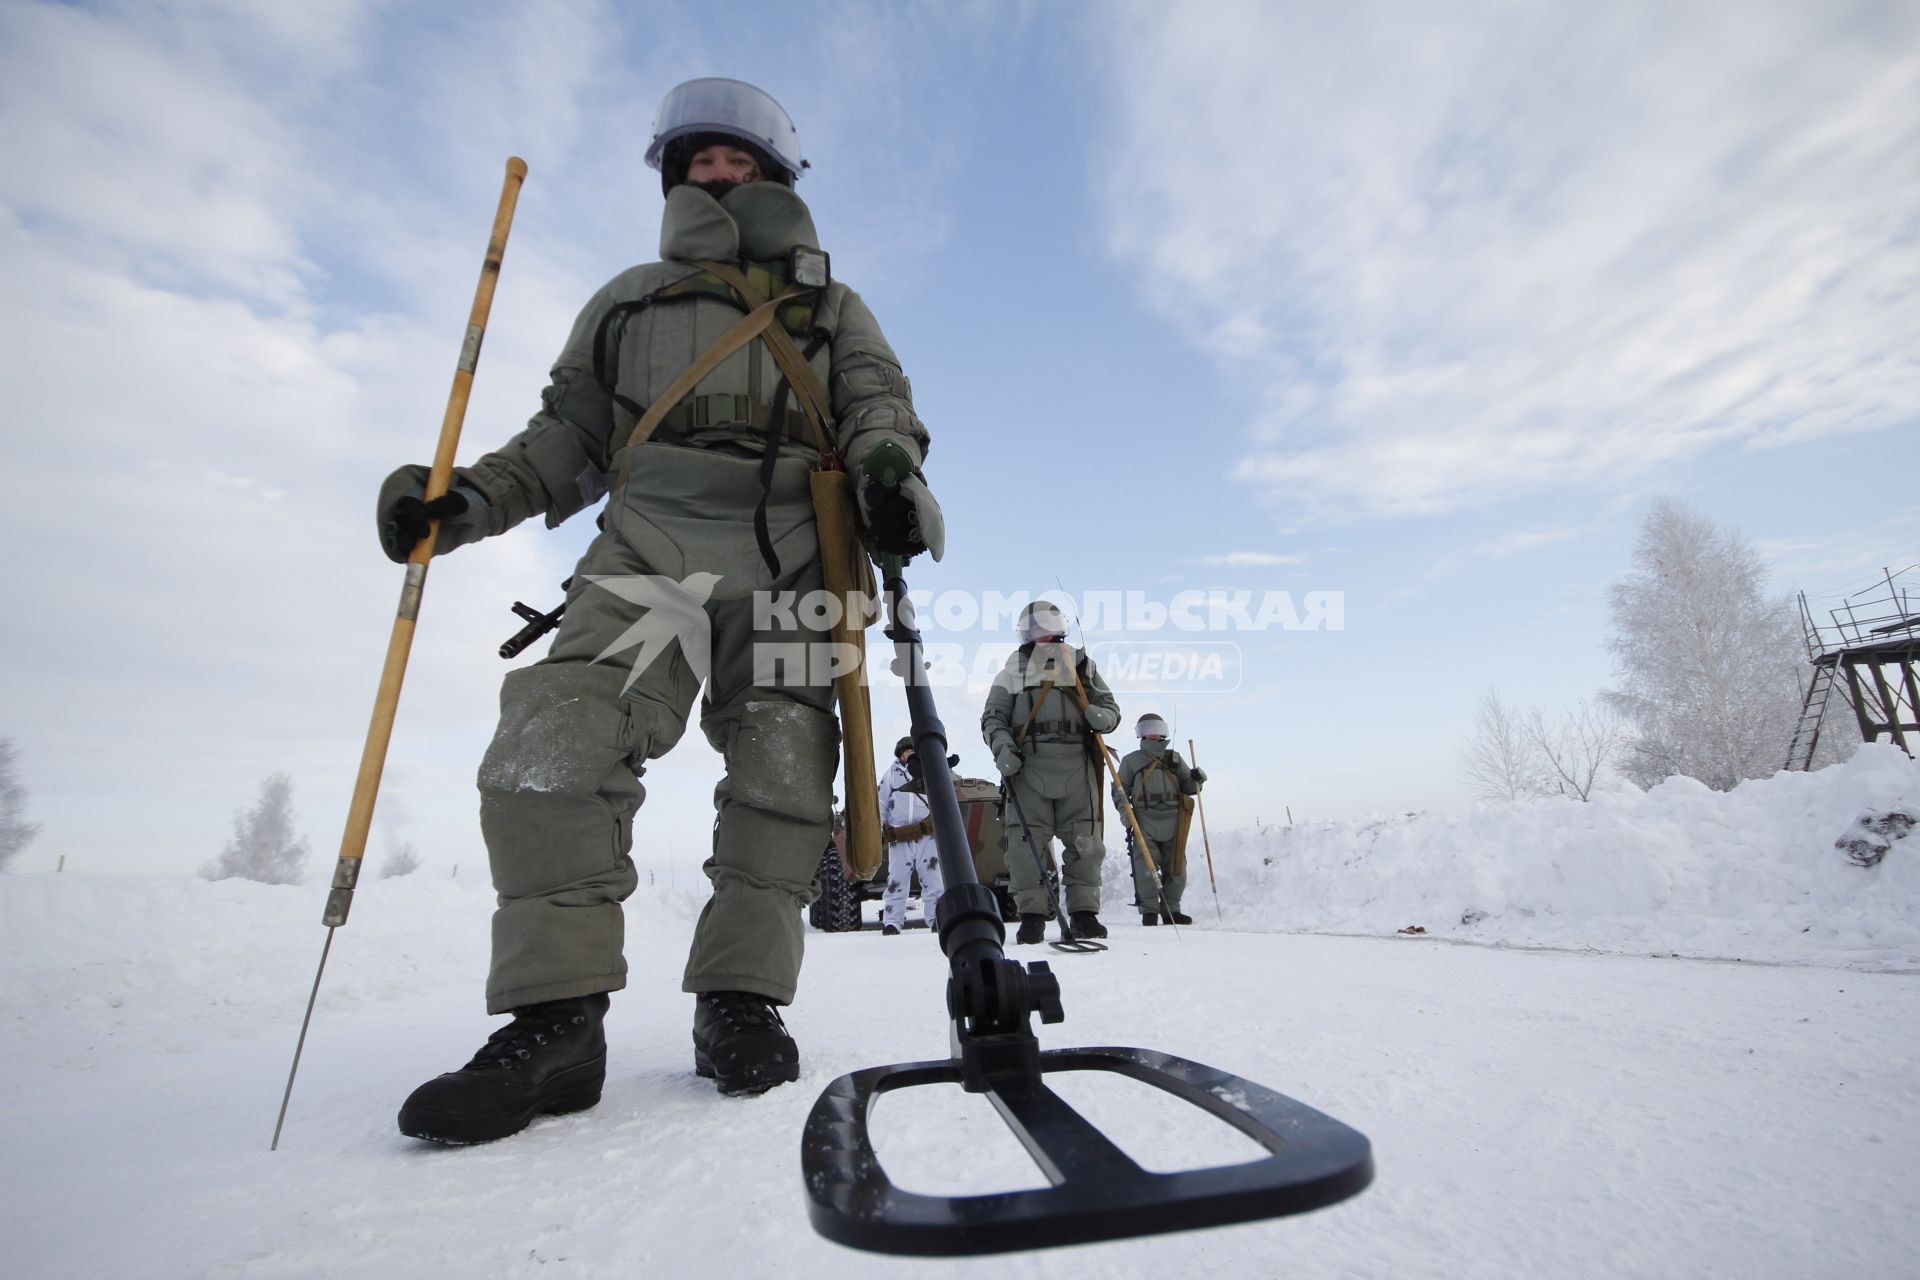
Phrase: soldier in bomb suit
(707,507)
(1157,783)
(1041,713)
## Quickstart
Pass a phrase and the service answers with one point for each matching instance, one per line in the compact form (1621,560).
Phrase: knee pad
(781,758)
(563,728)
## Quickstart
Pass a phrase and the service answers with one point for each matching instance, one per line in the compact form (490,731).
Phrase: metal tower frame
(1874,646)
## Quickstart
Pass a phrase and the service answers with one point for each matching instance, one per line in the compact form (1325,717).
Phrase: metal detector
(1095,1191)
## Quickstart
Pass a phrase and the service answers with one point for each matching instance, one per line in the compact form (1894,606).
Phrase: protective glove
(1119,801)
(1007,761)
(901,516)
(1200,776)
(1101,719)
(404,513)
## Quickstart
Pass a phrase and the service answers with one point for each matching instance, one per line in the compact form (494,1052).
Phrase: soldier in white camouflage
(907,828)
(708,512)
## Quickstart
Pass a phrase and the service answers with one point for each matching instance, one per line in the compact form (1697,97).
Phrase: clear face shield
(1042,619)
(716,105)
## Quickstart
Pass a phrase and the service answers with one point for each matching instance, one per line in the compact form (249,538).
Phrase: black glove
(901,516)
(1200,775)
(890,521)
(404,515)
(407,519)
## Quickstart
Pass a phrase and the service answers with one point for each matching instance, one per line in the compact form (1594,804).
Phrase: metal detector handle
(929,734)
(989,997)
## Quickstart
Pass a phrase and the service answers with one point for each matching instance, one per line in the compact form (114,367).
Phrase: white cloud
(239,251)
(1252,559)
(1471,252)
(201,411)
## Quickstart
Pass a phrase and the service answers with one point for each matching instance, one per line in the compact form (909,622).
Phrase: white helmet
(736,111)
(1042,620)
(1150,726)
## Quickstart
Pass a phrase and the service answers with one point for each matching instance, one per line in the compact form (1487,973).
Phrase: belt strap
(724,410)
(911,831)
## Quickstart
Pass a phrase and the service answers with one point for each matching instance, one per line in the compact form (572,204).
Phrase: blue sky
(1417,303)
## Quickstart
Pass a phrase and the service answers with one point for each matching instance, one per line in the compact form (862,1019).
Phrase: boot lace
(514,1043)
(740,1012)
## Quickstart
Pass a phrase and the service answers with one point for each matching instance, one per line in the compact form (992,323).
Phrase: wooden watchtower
(1873,646)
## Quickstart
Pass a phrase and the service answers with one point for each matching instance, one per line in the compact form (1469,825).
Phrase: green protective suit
(1058,783)
(664,600)
(1154,778)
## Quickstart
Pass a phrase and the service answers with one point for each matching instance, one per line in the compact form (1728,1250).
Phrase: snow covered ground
(1559,1096)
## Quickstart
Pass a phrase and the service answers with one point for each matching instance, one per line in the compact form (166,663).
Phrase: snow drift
(1750,873)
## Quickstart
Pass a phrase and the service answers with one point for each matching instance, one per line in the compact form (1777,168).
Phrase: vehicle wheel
(837,909)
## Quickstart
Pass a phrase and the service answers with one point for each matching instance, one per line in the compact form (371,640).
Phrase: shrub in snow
(1497,759)
(263,846)
(16,833)
(402,861)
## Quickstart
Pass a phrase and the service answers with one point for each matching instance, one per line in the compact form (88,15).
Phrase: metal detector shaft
(1193,757)
(929,735)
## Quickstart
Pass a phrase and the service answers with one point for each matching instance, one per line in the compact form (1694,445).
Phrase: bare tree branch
(1497,758)
(1577,746)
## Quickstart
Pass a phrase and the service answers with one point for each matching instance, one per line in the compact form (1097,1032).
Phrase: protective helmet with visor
(709,110)
(1042,620)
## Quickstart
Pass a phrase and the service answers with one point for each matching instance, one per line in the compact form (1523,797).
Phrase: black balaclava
(679,156)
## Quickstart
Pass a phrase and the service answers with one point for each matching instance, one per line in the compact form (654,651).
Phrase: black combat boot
(889,931)
(1033,928)
(1085,924)
(1179,917)
(740,1043)
(1149,918)
(551,1059)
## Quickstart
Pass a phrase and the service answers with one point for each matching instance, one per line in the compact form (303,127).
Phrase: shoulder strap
(1140,779)
(744,330)
(807,388)
(1033,714)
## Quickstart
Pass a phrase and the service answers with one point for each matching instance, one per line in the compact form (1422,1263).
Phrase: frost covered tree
(263,846)
(16,833)
(403,861)
(1574,750)
(1498,759)
(1706,659)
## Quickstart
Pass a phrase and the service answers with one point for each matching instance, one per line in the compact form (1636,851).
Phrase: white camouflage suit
(907,858)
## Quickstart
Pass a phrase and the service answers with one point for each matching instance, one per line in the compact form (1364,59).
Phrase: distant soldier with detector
(907,824)
(703,396)
(1160,786)
(1041,713)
